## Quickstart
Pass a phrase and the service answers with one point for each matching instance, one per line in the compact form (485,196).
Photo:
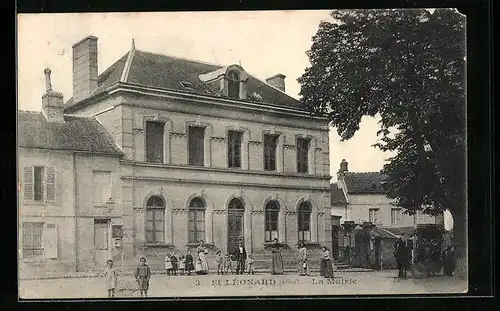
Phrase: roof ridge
(253,76)
(128,64)
(382,228)
(179,57)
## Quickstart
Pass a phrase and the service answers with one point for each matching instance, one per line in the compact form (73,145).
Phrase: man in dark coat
(241,257)
(401,256)
(449,260)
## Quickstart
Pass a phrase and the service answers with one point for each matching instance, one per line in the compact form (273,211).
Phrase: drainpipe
(75,211)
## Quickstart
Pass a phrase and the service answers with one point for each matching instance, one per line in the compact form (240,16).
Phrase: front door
(335,242)
(101,241)
(235,218)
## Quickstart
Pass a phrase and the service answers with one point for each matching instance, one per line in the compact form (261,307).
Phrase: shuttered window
(270,144)
(234,149)
(196,146)
(154,141)
(28,183)
(50,184)
(50,241)
(39,184)
(32,240)
(302,155)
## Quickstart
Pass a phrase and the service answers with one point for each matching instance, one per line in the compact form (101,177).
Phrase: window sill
(35,203)
(207,245)
(268,245)
(158,245)
(312,244)
(36,259)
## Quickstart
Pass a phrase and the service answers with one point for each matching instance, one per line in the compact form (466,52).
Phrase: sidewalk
(130,272)
(260,284)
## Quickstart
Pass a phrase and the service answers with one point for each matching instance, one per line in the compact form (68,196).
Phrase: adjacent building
(67,164)
(193,151)
(367,221)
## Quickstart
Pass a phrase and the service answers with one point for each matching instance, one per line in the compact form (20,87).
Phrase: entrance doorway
(235,216)
(335,242)
(101,241)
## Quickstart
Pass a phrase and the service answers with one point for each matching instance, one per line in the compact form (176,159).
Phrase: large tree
(408,68)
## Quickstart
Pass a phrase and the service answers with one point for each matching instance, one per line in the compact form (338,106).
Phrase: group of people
(326,265)
(240,256)
(199,265)
(403,256)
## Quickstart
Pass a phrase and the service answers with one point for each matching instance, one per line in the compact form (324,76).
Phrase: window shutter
(28,183)
(50,184)
(50,241)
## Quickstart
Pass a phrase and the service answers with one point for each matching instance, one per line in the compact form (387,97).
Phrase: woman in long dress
(202,263)
(302,263)
(326,264)
(277,258)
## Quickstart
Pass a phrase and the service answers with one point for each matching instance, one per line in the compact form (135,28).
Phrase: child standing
(142,275)
(111,278)
(175,264)
(220,262)
(189,262)
(182,266)
(228,264)
(250,262)
(168,264)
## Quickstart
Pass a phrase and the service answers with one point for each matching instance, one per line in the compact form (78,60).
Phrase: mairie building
(157,153)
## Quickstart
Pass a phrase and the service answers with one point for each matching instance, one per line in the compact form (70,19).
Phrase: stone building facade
(58,156)
(209,153)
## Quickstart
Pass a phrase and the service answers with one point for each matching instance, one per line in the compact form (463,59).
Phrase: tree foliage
(408,67)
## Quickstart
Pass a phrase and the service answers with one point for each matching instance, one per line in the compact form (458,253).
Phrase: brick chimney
(343,166)
(278,81)
(84,68)
(52,102)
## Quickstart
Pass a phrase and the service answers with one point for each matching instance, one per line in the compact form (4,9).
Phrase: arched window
(155,220)
(271,220)
(233,84)
(304,218)
(196,225)
(236,204)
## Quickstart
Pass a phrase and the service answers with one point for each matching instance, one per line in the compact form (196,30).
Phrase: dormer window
(233,84)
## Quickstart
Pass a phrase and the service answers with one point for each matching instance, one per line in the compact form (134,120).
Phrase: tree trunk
(460,242)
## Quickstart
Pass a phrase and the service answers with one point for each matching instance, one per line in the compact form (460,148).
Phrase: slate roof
(167,72)
(337,196)
(409,231)
(362,183)
(383,233)
(76,133)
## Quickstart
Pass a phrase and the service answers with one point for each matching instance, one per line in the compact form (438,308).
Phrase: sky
(264,42)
